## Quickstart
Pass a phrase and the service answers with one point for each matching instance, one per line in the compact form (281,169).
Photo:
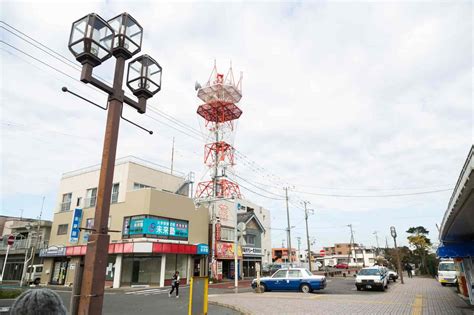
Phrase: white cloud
(363,95)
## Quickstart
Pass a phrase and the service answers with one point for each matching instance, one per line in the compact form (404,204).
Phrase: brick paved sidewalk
(417,296)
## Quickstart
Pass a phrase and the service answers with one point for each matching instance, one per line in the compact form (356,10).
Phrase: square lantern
(128,35)
(91,40)
(144,77)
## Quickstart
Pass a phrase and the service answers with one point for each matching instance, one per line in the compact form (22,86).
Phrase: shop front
(252,259)
(56,264)
(226,260)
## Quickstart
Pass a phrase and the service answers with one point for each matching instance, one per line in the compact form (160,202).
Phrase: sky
(346,103)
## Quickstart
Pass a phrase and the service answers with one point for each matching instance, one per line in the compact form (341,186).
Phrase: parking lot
(416,296)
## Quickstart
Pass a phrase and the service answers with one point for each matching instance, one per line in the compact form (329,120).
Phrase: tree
(421,243)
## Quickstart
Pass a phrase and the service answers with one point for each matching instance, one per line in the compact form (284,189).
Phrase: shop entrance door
(197,267)
(135,271)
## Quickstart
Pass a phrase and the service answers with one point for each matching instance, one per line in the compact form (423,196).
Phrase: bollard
(344,274)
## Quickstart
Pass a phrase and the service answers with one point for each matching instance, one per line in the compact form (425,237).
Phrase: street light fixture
(92,41)
(393,232)
(128,35)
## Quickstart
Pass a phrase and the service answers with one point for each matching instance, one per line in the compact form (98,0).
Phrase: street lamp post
(93,41)
(393,231)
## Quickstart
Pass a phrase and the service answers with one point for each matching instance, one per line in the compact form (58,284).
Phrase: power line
(374,196)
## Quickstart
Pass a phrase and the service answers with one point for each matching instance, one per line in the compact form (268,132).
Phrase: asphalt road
(145,301)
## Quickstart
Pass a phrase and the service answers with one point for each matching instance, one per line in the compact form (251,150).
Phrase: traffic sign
(322,252)
(11,240)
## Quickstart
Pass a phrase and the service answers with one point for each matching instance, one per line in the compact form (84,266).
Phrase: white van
(447,272)
(33,274)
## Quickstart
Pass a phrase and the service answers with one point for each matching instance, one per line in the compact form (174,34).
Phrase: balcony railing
(66,206)
(23,244)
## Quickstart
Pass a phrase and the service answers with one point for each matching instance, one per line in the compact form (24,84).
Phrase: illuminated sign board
(150,226)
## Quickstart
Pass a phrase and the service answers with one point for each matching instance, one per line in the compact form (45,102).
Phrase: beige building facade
(154,227)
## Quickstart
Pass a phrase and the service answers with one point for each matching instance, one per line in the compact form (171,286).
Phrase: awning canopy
(456,250)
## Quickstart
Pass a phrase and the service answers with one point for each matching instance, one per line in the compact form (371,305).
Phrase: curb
(242,311)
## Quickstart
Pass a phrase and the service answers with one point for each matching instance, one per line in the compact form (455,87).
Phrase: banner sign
(53,251)
(76,224)
(157,227)
(226,250)
(252,251)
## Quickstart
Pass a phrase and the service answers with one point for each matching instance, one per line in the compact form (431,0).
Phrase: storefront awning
(456,250)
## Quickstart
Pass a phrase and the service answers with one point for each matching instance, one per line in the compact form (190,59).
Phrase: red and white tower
(220,111)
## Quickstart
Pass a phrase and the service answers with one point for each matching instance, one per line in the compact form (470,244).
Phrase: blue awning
(456,250)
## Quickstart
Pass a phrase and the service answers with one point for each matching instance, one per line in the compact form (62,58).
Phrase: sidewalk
(417,296)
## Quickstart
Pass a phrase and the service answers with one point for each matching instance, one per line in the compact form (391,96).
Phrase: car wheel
(382,289)
(359,289)
(443,284)
(37,281)
(305,288)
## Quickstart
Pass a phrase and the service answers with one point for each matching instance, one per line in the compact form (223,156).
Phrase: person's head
(177,272)
(38,302)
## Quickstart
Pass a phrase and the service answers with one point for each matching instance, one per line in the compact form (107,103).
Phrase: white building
(361,257)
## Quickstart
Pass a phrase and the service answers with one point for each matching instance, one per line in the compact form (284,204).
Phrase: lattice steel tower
(220,112)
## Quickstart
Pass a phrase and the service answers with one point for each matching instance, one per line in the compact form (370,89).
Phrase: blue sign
(202,249)
(76,224)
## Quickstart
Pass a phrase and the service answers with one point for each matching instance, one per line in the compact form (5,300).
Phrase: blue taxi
(291,279)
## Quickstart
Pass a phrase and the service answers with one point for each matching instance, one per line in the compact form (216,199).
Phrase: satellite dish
(197,86)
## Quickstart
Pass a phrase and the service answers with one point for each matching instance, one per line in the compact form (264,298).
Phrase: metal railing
(23,244)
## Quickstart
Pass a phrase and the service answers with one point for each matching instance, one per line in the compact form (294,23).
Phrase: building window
(62,229)
(78,202)
(250,239)
(66,203)
(137,186)
(91,197)
(227,234)
(115,192)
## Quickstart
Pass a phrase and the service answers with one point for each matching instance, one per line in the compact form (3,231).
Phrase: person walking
(175,284)
(409,269)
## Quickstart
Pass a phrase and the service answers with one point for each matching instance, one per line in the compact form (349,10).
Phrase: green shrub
(9,294)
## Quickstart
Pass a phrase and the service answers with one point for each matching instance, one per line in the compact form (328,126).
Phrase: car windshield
(369,272)
(446,267)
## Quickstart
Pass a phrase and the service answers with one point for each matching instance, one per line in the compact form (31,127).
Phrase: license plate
(369,287)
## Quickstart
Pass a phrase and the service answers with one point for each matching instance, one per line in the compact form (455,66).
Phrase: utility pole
(172,157)
(386,242)
(350,245)
(307,234)
(213,215)
(377,241)
(289,228)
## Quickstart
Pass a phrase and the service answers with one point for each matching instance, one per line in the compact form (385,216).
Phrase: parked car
(342,266)
(375,277)
(291,279)
(33,274)
(447,273)
(392,275)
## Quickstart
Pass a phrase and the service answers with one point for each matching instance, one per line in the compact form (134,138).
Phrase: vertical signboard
(75,225)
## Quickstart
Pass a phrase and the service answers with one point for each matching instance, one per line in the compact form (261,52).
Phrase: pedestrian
(409,268)
(38,302)
(175,284)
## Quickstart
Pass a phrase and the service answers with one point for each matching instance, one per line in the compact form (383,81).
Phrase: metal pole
(5,263)
(213,216)
(25,264)
(307,236)
(33,250)
(76,288)
(399,265)
(93,282)
(350,246)
(289,229)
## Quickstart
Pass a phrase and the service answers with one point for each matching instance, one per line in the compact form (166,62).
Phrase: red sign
(11,239)
(322,252)
(218,231)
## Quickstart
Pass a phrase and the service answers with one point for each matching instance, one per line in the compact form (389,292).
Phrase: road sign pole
(5,263)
